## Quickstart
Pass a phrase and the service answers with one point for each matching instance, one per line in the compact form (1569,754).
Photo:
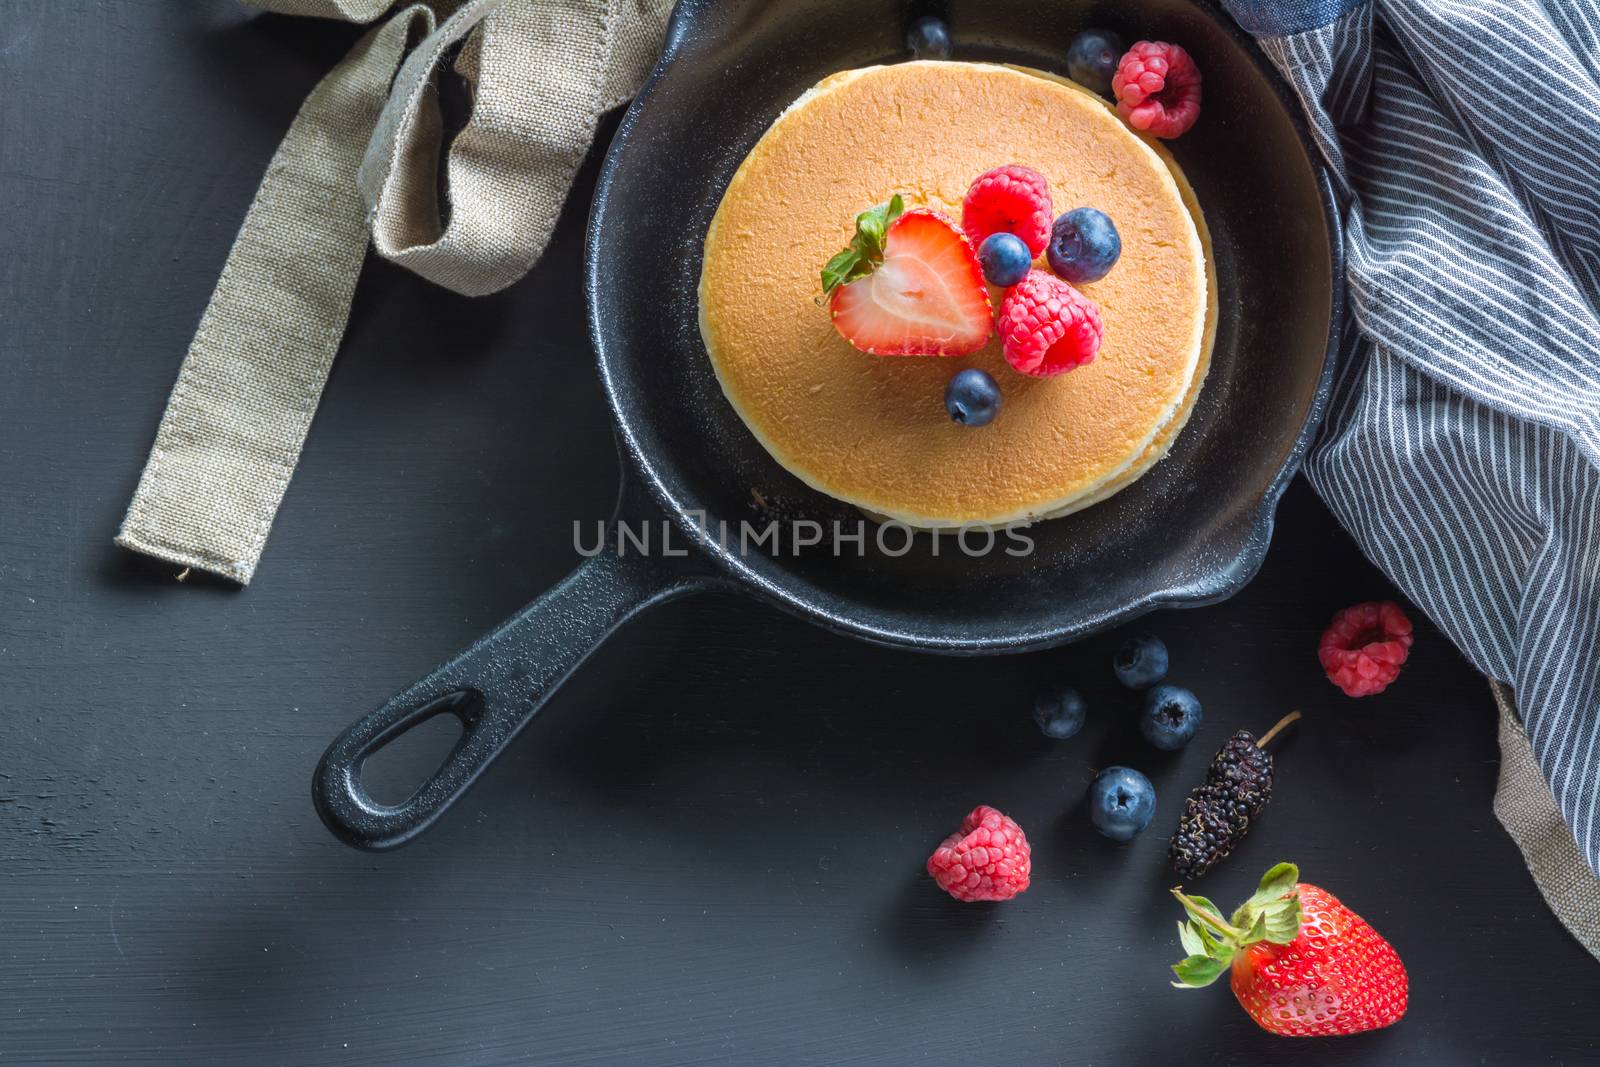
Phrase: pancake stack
(872,431)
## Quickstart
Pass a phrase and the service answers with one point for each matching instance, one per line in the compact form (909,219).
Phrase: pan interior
(1193,529)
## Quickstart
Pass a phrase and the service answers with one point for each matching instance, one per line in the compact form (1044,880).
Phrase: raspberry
(1047,327)
(1011,199)
(987,859)
(1157,87)
(1364,647)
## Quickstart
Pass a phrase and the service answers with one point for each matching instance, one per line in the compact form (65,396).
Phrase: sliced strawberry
(925,296)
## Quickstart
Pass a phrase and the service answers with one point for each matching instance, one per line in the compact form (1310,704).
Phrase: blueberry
(1170,717)
(1059,710)
(1005,259)
(1141,662)
(1092,59)
(929,38)
(972,398)
(1084,245)
(1121,802)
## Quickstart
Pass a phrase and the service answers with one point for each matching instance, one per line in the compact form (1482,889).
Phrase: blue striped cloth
(1462,448)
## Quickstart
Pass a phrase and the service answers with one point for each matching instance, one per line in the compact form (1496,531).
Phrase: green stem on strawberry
(1271,914)
(1201,915)
(866,248)
(1293,716)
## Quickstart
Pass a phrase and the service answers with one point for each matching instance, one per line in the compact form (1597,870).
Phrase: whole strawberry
(1303,964)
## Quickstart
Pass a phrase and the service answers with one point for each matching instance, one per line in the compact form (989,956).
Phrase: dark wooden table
(710,847)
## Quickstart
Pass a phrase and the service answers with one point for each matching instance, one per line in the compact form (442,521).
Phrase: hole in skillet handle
(342,798)
(394,772)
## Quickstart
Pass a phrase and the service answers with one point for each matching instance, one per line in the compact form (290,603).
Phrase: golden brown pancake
(873,430)
(1157,449)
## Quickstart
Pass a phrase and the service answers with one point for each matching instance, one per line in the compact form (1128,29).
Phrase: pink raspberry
(1364,647)
(1010,199)
(1047,327)
(987,859)
(1157,87)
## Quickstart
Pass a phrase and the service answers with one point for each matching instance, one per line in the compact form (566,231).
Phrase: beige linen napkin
(361,158)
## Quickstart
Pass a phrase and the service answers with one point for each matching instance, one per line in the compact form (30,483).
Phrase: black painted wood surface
(710,848)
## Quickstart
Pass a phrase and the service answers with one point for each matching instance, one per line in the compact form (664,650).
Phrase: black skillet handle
(497,686)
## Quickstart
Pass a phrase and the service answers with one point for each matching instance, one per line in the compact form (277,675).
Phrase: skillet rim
(1216,584)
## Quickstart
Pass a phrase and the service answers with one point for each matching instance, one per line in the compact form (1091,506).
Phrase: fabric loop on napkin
(360,159)
(530,121)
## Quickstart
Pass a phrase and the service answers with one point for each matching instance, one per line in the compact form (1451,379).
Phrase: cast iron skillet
(1192,531)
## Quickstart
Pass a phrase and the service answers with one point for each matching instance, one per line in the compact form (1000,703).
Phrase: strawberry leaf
(1273,911)
(1192,939)
(837,271)
(1196,972)
(865,252)
(1283,923)
(1276,883)
(1210,942)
